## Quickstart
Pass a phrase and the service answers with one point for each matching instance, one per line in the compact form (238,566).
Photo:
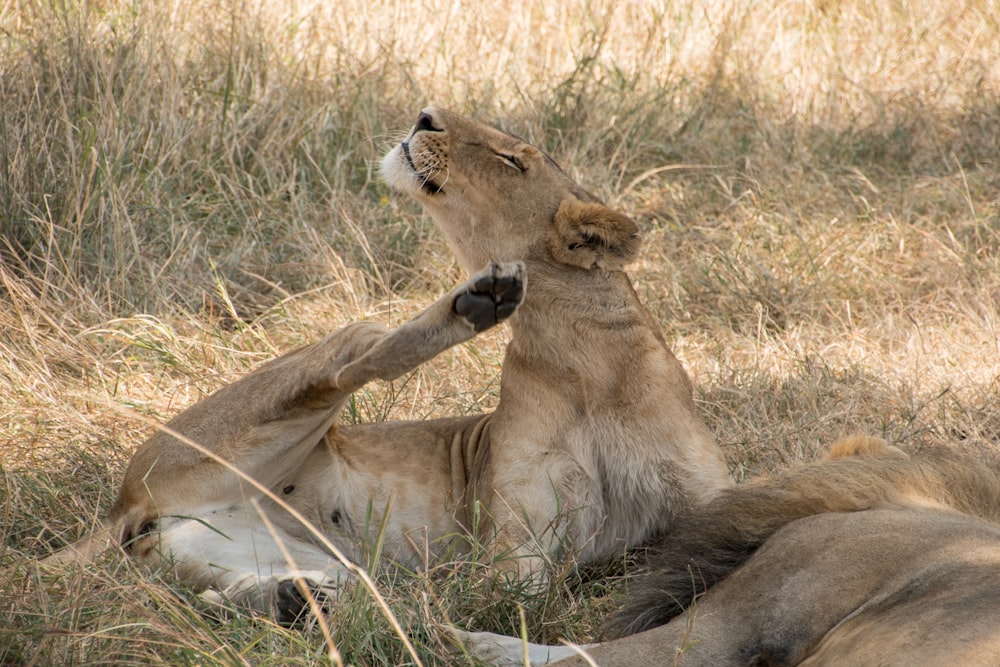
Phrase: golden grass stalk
(188,188)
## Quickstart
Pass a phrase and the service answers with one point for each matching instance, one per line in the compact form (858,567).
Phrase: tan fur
(871,556)
(859,444)
(595,444)
(893,587)
(717,538)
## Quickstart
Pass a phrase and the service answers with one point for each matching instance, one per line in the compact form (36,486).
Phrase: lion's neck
(569,316)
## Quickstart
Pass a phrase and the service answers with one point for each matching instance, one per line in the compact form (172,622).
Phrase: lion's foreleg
(505,651)
(487,298)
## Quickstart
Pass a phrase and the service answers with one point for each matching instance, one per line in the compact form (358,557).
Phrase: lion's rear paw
(291,606)
(493,295)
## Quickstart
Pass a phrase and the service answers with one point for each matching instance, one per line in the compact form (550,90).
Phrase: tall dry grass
(187,189)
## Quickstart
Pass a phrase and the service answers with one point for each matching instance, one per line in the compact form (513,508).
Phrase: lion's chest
(634,475)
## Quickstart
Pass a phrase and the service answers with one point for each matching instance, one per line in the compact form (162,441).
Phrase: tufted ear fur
(591,235)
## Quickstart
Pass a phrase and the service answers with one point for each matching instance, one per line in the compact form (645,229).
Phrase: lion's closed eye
(511,161)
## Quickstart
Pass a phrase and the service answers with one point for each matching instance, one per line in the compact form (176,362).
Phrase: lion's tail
(859,473)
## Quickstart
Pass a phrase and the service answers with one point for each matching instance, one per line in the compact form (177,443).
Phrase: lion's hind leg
(263,426)
(235,557)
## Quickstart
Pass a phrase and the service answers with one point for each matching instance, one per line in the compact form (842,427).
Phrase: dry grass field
(187,189)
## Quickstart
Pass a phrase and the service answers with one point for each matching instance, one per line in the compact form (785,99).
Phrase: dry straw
(188,188)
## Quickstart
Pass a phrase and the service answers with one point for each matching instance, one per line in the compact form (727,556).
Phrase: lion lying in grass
(595,444)
(871,557)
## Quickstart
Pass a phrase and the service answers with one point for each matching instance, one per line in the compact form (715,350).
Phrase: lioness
(871,557)
(902,586)
(595,444)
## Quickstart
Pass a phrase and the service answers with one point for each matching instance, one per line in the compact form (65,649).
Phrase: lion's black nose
(425,123)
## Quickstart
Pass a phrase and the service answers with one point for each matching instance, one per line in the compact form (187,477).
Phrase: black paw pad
(491,299)
(291,606)
(478,309)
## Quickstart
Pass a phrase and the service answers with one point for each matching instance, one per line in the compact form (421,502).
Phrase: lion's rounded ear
(591,235)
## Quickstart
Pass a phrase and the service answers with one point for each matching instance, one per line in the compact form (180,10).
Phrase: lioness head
(500,199)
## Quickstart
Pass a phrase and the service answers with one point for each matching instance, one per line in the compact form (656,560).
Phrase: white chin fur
(397,174)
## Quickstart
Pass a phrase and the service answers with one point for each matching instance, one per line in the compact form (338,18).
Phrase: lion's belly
(400,483)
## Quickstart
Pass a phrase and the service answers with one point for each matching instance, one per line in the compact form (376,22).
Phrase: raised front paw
(492,295)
